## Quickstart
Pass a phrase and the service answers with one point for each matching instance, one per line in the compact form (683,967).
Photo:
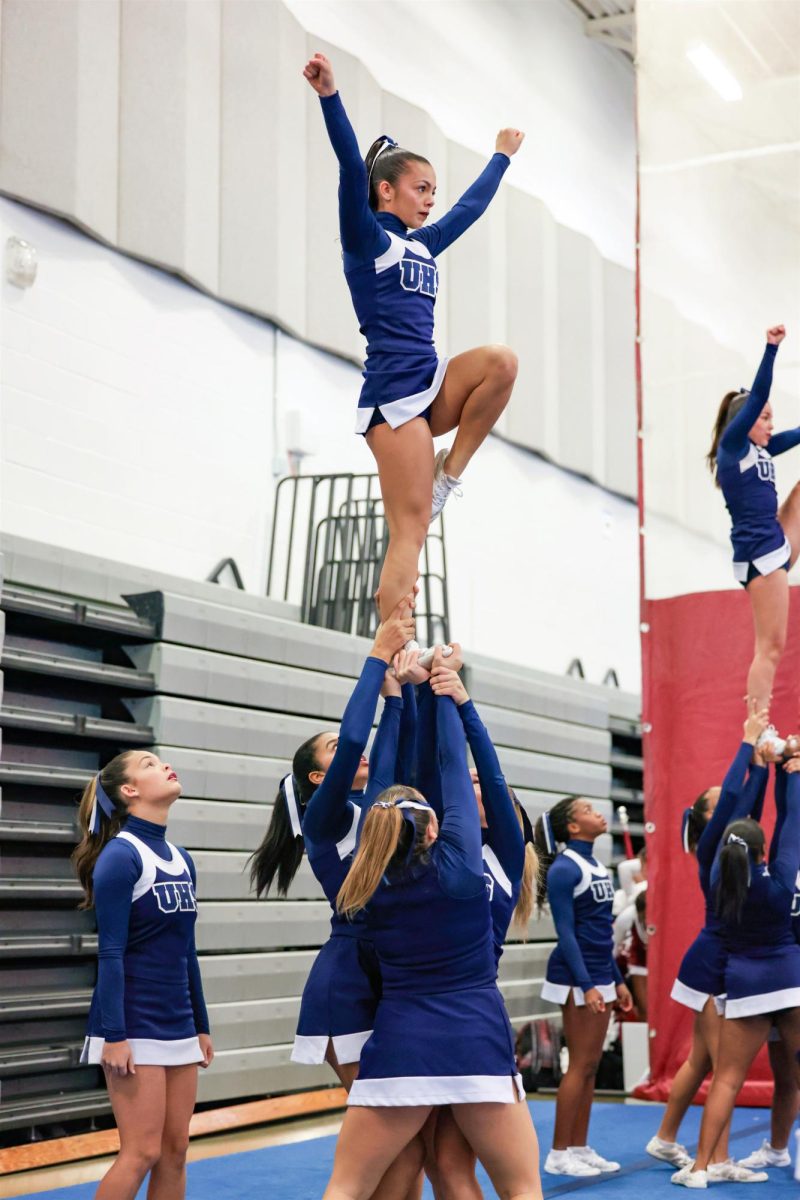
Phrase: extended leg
(769,597)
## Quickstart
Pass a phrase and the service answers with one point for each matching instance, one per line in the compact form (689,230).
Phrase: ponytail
(739,841)
(101,813)
(551,828)
(390,834)
(731,404)
(694,823)
(386,161)
(281,850)
(530,873)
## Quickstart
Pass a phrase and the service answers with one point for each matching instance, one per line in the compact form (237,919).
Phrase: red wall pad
(695,656)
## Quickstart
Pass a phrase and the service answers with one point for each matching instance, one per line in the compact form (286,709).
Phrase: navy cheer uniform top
(149,992)
(581,896)
(441,1035)
(762,974)
(393,279)
(702,970)
(746,475)
(340,995)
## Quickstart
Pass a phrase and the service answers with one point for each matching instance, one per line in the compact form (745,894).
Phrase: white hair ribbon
(287,783)
(734,839)
(387,143)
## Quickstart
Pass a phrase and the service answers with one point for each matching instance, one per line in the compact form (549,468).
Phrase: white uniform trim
(396,252)
(398,412)
(559,992)
(493,863)
(766,1002)
(311,1049)
(436,1089)
(689,997)
(589,871)
(151,863)
(348,842)
(149,1052)
(766,564)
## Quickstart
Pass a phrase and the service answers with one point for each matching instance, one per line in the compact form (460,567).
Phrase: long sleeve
(561,880)
(383,756)
(732,786)
(785,851)
(780,811)
(735,438)
(404,768)
(754,792)
(193,964)
(505,834)
(465,212)
(326,815)
(779,443)
(360,232)
(428,772)
(115,876)
(459,850)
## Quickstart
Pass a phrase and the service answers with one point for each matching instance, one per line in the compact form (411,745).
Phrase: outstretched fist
(509,141)
(776,334)
(319,73)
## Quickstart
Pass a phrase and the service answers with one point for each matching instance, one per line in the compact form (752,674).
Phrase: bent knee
(504,363)
(175,1150)
(142,1158)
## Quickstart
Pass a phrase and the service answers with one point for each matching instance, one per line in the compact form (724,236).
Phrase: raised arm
(326,815)
(754,792)
(735,438)
(404,767)
(465,212)
(383,755)
(505,834)
(428,771)
(786,856)
(361,234)
(780,811)
(459,850)
(732,786)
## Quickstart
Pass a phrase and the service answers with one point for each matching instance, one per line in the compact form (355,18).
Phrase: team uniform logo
(602,890)
(177,896)
(416,276)
(766,468)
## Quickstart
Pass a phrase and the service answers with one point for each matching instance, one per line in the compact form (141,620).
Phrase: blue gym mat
(300,1171)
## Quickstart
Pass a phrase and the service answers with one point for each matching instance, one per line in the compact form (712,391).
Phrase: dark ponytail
(87,852)
(731,404)
(386,161)
(739,841)
(559,818)
(281,850)
(695,822)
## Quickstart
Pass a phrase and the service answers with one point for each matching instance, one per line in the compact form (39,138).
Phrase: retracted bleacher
(224,685)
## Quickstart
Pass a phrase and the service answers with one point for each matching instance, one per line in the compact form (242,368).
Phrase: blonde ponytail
(527,891)
(385,832)
(86,853)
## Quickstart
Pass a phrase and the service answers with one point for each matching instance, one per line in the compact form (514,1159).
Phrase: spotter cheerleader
(701,976)
(441,1032)
(765,538)
(318,808)
(148,1025)
(409,395)
(582,976)
(762,974)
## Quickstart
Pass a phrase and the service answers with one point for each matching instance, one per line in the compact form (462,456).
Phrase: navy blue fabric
(750,494)
(395,306)
(428,770)
(341,994)
(584,956)
(148,976)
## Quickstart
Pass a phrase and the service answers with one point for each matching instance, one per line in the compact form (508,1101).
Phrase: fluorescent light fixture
(714,72)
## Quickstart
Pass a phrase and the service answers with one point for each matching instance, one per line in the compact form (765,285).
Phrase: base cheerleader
(148,1025)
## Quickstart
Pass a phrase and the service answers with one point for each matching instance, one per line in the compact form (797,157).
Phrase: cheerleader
(582,975)
(409,395)
(148,1025)
(786,1097)
(441,1032)
(319,807)
(762,975)
(765,538)
(510,870)
(701,976)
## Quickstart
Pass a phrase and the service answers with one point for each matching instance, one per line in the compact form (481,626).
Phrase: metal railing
(328,543)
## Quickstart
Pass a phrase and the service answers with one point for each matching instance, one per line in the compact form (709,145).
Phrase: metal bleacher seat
(224,686)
